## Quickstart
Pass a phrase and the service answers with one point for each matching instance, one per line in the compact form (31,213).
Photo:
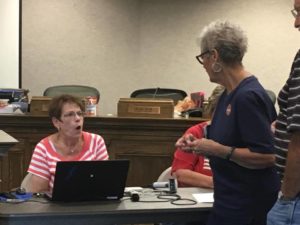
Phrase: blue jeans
(285,213)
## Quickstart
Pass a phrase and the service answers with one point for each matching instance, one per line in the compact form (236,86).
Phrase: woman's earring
(217,67)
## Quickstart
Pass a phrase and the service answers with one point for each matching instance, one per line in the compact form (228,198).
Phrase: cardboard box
(146,107)
(39,105)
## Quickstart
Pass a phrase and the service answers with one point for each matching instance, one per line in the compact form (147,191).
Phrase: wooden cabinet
(148,144)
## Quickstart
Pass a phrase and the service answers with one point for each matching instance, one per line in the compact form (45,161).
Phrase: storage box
(146,107)
(39,105)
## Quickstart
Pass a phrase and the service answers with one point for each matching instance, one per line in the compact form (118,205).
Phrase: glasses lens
(73,114)
(79,113)
(295,13)
(200,57)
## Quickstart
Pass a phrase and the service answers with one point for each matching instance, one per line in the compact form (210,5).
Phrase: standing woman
(69,143)
(240,141)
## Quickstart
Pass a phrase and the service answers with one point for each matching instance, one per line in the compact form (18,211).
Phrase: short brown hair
(57,103)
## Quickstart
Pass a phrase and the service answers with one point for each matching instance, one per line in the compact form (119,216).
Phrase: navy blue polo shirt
(242,119)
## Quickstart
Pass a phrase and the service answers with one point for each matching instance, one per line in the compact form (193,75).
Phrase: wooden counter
(148,143)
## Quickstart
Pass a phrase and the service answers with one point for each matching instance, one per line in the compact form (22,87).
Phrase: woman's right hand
(183,142)
(202,146)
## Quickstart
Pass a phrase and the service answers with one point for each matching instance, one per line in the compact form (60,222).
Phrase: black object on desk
(170,93)
(192,113)
(90,180)
(14,196)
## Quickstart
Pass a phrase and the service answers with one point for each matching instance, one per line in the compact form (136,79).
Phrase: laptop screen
(90,180)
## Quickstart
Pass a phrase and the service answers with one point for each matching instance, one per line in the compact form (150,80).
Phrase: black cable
(149,201)
(154,201)
(168,196)
(177,201)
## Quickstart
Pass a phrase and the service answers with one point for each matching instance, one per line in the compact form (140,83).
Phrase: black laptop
(90,180)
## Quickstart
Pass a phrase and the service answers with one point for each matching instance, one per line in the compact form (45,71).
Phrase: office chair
(76,90)
(165,175)
(174,94)
(272,96)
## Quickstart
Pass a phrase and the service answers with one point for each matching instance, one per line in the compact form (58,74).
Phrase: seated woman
(192,170)
(69,143)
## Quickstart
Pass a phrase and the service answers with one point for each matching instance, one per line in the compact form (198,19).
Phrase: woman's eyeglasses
(295,13)
(73,114)
(200,57)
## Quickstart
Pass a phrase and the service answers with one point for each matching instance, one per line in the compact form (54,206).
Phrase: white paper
(204,197)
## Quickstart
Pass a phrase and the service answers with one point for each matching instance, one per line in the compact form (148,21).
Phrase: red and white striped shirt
(45,156)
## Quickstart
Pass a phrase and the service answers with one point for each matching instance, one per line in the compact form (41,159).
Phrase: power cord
(162,196)
(184,201)
(136,197)
(176,199)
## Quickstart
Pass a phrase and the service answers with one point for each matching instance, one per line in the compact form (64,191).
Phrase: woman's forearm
(252,160)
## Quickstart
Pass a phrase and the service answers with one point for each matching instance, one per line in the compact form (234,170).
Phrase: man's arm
(291,181)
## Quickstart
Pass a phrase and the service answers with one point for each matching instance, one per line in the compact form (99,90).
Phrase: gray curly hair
(227,38)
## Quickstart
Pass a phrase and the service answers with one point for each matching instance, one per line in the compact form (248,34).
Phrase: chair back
(174,94)
(272,96)
(26,182)
(165,175)
(76,90)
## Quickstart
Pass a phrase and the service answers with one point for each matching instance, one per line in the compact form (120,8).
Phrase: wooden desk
(148,143)
(95,213)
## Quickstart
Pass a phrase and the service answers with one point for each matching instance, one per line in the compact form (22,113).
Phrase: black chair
(76,90)
(174,94)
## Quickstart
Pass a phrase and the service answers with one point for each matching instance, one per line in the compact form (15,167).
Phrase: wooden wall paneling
(148,143)
(1,173)
(15,166)
(4,173)
(148,158)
